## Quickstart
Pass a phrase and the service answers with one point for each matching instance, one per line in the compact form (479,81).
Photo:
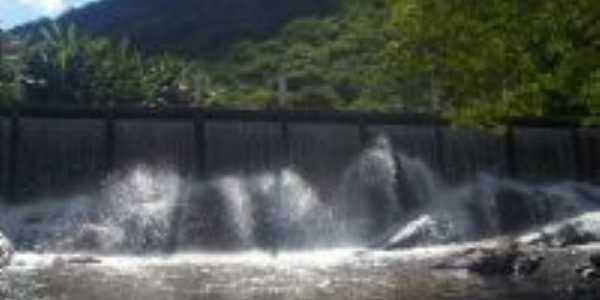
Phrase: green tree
(10,71)
(486,61)
(330,62)
(70,68)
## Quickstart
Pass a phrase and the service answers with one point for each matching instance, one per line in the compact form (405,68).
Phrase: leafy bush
(69,68)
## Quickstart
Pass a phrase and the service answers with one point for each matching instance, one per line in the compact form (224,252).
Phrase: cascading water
(384,198)
(276,209)
(257,210)
(545,154)
(323,191)
(131,213)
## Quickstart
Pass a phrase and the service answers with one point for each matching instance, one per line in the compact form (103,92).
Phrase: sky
(16,12)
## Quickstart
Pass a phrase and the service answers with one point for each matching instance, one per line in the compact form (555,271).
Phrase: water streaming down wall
(218,213)
(4,152)
(545,154)
(322,152)
(415,141)
(470,152)
(154,163)
(367,201)
(58,153)
(266,184)
(235,147)
(211,185)
(160,144)
(589,160)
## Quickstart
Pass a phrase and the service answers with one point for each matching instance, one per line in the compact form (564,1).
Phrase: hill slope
(196,27)
(328,50)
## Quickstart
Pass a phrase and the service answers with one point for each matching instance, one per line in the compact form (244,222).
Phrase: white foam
(285,260)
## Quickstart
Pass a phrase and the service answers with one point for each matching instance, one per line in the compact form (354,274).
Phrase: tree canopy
(500,58)
(472,61)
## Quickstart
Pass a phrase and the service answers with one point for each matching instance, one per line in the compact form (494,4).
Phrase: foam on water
(285,260)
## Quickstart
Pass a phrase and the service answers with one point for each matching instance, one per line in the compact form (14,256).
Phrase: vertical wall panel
(544,154)
(468,152)
(243,147)
(163,144)
(589,139)
(415,141)
(4,158)
(323,152)
(58,157)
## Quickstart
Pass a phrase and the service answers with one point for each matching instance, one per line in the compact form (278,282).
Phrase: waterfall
(163,144)
(65,153)
(300,186)
(545,154)
(243,147)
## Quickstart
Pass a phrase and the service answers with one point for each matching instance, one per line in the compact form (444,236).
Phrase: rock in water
(595,260)
(425,230)
(495,261)
(579,230)
(527,264)
(6,251)
(588,272)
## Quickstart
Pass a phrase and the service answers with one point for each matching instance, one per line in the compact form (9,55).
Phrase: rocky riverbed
(339,274)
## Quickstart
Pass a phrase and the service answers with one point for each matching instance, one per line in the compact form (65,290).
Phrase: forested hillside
(196,27)
(482,62)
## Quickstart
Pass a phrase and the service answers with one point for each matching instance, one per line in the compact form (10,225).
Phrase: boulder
(591,271)
(579,230)
(527,264)
(588,272)
(6,251)
(423,231)
(503,260)
(595,260)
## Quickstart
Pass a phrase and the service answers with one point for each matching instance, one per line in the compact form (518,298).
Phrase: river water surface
(339,274)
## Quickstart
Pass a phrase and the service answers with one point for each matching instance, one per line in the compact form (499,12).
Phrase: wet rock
(493,262)
(595,260)
(6,251)
(588,272)
(580,230)
(591,271)
(423,231)
(503,260)
(568,235)
(527,264)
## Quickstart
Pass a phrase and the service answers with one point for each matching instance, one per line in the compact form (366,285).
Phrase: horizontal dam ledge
(322,116)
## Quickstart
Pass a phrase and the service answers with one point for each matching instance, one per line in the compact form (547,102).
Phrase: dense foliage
(66,67)
(10,70)
(328,62)
(192,27)
(481,62)
(494,59)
